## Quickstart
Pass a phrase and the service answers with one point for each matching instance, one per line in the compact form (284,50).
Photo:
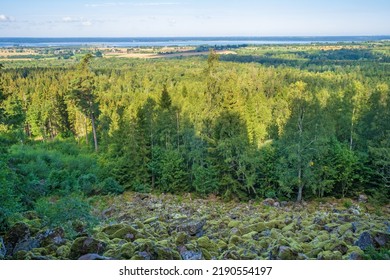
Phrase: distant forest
(292,126)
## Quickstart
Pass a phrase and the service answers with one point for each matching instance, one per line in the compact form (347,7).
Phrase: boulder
(167,253)
(181,238)
(3,250)
(91,257)
(205,243)
(111,229)
(127,251)
(284,204)
(52,236)
(192,227)
(286,253)
(355,253)
(151,220)
(190,255)
(26,245)
(127,232)
(382,239)
(85,245)
(328,255)
(362,198)
(268,202)
(17,233)
(344,228)
(364,241)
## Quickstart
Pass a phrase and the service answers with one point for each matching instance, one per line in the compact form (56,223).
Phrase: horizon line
(195,36)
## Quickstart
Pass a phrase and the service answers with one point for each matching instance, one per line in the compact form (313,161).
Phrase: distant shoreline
(7,42)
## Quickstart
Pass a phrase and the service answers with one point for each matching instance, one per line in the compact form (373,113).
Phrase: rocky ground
(144,226)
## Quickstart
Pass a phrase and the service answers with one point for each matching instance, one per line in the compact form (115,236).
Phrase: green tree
(83,93)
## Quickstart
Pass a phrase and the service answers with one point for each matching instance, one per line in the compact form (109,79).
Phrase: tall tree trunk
(299,197)
(152,152)
(178,129)
(300,151)
(86,131)
(94,131)
(351,132)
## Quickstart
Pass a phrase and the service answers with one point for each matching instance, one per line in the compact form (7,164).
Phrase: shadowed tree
(82,93)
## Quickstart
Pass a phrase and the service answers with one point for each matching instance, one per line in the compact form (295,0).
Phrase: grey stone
(85,245)
(3,250)
(355,256)
(364,241)
(354,226)
(191,255)
(268,202)
(381,239)
(52,236)
(192,227)
(26,245)
(93,257)
(362,198)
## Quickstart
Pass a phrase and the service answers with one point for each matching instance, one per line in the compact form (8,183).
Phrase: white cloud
(4,18)
(86,23)
(69,19)
(108,4)
(140,4)
(156,4)
(82,21)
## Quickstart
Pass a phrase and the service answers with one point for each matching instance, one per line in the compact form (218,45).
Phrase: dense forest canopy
(296,130)
(187,154)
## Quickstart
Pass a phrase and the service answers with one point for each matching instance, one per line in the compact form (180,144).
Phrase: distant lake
(179,41)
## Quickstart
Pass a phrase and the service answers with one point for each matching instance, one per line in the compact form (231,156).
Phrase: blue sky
(131,18)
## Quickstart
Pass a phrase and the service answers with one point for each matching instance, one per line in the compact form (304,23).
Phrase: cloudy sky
(132,18)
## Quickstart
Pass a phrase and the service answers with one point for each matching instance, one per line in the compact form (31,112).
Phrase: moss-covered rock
(150,220)
(167,253)
(289,228)
(19,232)
(250,236)
(354,253)
(328,255)
(234,224)
(127,232)
(54,236)
(222,245)
(63,252)
(336,245)
(127,251)
(344,228)
(205,243)
(181,238)
(84,245)
(287,253)
(111,229)
(230,255)
(234,240)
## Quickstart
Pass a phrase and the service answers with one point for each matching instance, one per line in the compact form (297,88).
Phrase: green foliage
(373,254)
(110,186)
(10,204)
(59,180)
(205,179)
(171,173)
(88,184)
(66,212)
(316,126)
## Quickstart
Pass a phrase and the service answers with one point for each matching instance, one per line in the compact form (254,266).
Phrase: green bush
(88,184)
(10,201)
(59,180)
(65,212)
(372,254)
(110,186)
